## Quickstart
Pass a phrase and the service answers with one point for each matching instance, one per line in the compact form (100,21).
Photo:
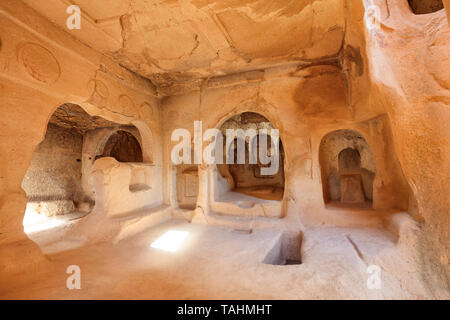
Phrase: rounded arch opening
(347,169)
(349,160)
(253,156)
(55,180)
(425,6)
(123,146)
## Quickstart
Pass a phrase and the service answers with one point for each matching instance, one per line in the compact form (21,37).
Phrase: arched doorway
(54,181)
(348,169)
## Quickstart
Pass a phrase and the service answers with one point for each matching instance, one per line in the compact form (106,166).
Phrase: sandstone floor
(222,263)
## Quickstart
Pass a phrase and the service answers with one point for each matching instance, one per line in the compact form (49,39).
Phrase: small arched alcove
(425,6)
(349,160)
(123,146)
(347,168)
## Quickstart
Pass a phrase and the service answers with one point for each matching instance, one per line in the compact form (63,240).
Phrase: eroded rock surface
(358,90)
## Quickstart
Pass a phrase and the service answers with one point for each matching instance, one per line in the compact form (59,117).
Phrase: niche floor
(36,224)
(220,263)
(244,199)
(337,205)
(262,192)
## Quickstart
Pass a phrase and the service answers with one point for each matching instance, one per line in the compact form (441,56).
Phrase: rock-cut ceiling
(184,41)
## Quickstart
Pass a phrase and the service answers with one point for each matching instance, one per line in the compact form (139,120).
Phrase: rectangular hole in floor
(292,262)
(243,231)
(286,250)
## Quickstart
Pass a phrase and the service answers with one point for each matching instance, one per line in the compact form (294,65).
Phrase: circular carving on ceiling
(39,62)
(101,89)
(146,111)
(127,105)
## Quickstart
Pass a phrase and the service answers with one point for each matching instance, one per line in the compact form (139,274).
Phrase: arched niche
(347,168)
(425,6)
(96,146)
(53,181)
(123,146)
(244,175)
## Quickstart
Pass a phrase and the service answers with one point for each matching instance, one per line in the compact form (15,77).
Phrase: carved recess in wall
(191,184)
(375,127)
(39,62)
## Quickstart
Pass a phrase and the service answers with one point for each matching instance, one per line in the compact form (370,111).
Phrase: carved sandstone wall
(310,67)
(42,69)
(410,74)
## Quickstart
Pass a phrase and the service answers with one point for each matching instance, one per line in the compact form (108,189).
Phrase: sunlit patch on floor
(170,241)
(34,222)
